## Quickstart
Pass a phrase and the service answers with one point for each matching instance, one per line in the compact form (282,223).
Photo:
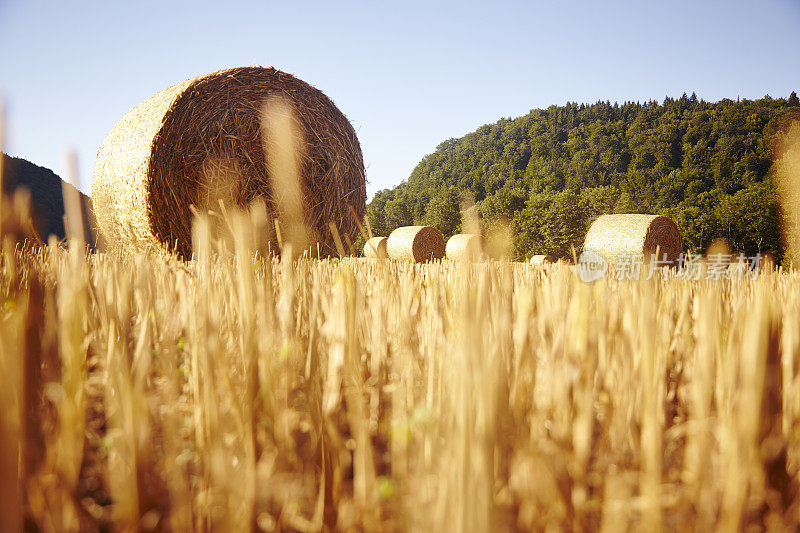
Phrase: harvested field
(350,394)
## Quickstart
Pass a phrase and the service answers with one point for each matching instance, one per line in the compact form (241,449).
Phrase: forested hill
(553,171)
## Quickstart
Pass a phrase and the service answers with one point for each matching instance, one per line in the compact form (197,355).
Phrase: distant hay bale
(201,142)
(464,247)
(375,248)
(541,260)
(615,235)
(415,243)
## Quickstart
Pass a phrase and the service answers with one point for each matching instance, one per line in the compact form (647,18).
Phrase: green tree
(443,212)
(554,170)
(397,214)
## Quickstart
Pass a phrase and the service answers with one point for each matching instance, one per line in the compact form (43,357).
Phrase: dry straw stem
(15,331)
(499,239)
(415,243)
(364,232)
(73,216)
(369,227)
(541,260)
(470,217)
(615,235)
(284,148)
(787,169)
(464,247)
(337,240)
(157,159)
(375,248)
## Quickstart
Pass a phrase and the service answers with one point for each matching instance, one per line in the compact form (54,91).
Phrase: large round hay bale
(464,247)
(200,142)
(541,260)
(375,248)
(628,234)
(415,243)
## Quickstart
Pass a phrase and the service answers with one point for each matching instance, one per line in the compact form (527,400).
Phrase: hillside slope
(554,170)
(47,199)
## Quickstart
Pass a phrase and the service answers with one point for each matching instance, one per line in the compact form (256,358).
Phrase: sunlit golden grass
(237,392)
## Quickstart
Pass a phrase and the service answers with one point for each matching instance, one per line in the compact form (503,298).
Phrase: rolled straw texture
(200,141)
(464,247)
(415,243)
(615,235)
(541,259)
(375,248)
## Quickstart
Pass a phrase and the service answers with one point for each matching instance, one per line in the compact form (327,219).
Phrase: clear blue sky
(407,74)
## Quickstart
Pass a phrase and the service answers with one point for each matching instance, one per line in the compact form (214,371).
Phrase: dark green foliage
(46,196)
(553,171)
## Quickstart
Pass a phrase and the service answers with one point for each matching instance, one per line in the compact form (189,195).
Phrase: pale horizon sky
(408,75)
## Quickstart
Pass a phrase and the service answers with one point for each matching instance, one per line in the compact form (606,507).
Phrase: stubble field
(235,392)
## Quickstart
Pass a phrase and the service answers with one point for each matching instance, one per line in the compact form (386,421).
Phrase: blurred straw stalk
(787,170)
(284,147)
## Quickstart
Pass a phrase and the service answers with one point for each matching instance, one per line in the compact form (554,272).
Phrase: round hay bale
(200,142)
(541,260)
(614,235)
(375,248)
(415,243)
(464,247)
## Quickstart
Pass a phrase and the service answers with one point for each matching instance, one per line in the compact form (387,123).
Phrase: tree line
(550,173)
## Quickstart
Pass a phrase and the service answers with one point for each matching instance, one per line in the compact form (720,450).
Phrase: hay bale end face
(626,234)
(375,248)
(200,142)
(464,247)
(541,260)
(415,243)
